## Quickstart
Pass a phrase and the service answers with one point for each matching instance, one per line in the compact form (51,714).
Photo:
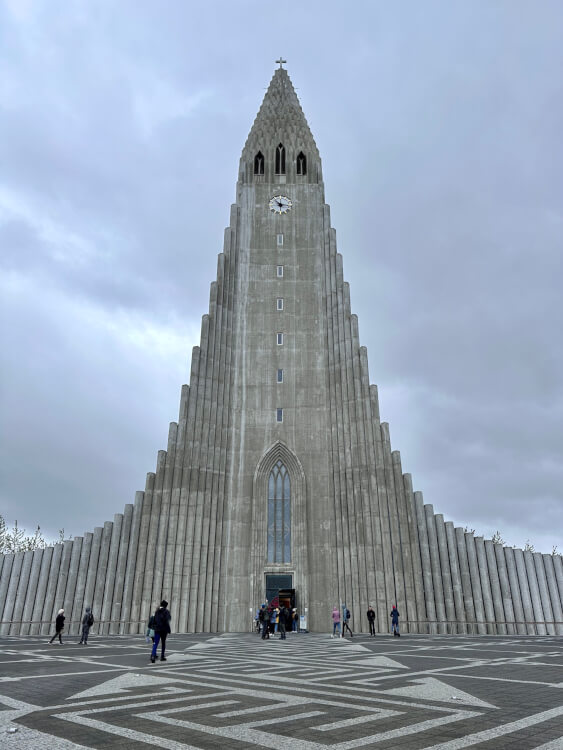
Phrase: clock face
(279,204)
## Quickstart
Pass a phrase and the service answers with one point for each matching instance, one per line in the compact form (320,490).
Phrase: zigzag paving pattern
(309,692)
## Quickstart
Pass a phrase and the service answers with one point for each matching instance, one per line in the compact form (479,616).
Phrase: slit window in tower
(301,163)
(259,163)
(279,303)
(279,415)
(279,271)
(280,375)
(279,337)
(280,159)
(279,515)
(280,240)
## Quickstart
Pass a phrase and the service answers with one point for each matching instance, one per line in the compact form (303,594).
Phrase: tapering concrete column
(116,604)
(41,591)
(404,539)
(515,593)
(529,616)
(70,625)
(31,595)
(137,613)
(446,573)
(415,551)
(92,573)
(59,600)
(465,576)
(101,576)
(21,592)
(504,584)
(81,578)
(425,561)
(475,582)
(485,585)
(455,577)
(553,593)
(537,607)
(127,625)
(544,593)
(435,565)
(558,567)
(50,594)
(5,582)
(495,588)
(110,575)
(11,593)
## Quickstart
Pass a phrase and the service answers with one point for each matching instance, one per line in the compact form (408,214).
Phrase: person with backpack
(346,621)
(87,622)
(395,621)
(284,621)
(264,618)
(161,630)
(59,626)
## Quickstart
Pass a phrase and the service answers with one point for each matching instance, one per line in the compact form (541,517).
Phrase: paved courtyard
(309,692)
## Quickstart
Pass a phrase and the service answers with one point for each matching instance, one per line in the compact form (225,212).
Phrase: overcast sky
(440,129)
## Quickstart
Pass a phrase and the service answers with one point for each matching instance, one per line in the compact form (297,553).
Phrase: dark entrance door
(278,586)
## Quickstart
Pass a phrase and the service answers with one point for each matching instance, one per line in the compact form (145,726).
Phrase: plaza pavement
(309,692)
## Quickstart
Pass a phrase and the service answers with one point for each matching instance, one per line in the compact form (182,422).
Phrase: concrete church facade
(279,473)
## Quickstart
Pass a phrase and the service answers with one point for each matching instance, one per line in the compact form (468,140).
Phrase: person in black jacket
(161,630)
(371,620)
(59,626)
(395,621)
(87,622)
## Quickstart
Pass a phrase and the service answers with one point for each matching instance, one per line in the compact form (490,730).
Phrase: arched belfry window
(280,159)
(279,515)
(301,163)
(259,163)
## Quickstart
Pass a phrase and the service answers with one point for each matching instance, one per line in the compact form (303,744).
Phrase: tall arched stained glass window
(279,515)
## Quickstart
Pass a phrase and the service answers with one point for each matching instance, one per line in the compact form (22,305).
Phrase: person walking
(371,620)
(346,621)
(294,621)
(87,622)
(284,621)
(264,618)
(336,622)
(395,621)
(272,621)
(59,626)
(161,630)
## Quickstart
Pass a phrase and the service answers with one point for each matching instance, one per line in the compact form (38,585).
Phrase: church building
(279,479)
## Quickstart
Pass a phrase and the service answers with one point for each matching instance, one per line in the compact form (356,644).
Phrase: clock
(279,204)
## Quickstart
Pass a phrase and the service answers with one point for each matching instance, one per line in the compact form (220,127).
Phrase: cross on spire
(281,61)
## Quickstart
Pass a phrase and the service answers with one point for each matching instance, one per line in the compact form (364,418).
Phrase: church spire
(280,120)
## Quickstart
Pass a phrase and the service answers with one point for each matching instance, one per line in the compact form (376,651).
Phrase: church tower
(279,478)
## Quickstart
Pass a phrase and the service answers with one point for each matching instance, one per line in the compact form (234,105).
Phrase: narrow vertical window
(280,240)
(301,163)
(279,415)
(279,515)
(280,159)
(259,163)
(279,271)
(279,338)
(280,375)
(279,303)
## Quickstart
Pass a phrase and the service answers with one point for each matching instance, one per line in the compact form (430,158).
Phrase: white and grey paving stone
(309,692)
